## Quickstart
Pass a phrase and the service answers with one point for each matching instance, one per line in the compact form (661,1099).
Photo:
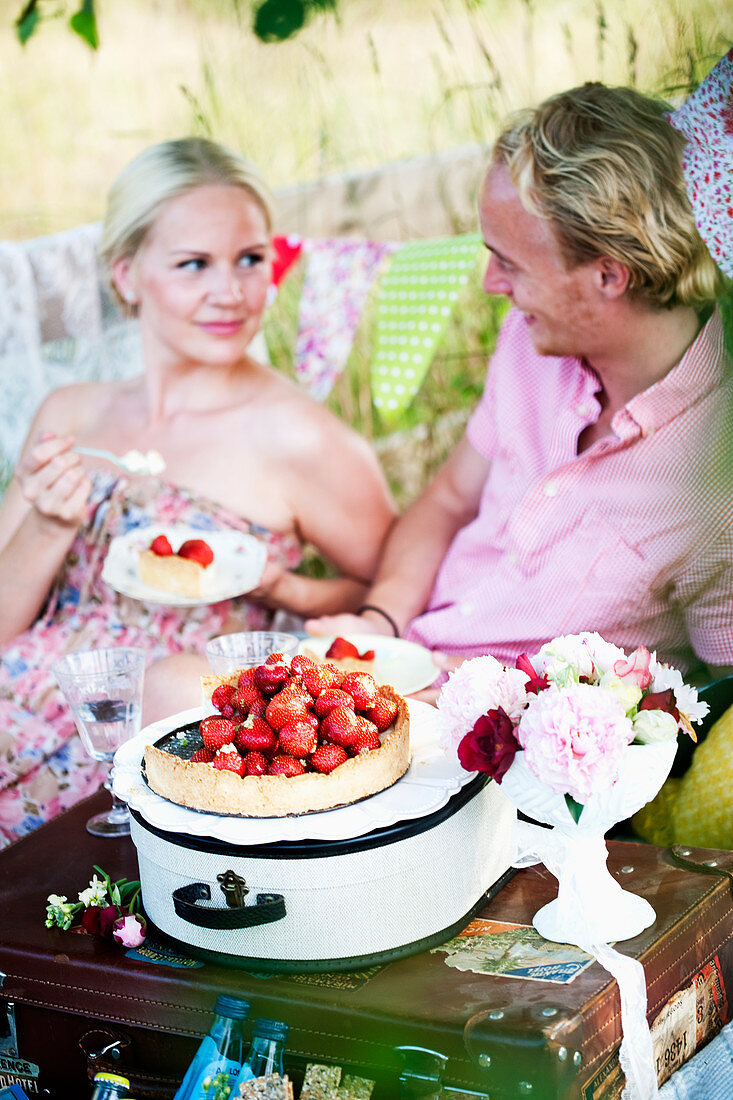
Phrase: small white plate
(240,561)
(407,666)
(430,781)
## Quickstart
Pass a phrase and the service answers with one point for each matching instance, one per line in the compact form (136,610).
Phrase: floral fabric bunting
(706,120)
(416,298)
(339,274)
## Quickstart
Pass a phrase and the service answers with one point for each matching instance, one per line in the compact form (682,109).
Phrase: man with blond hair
(593,489)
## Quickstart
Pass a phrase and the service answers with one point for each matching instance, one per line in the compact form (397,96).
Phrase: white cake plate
(428,784)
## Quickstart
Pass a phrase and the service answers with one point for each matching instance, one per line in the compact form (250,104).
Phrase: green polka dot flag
(415,300)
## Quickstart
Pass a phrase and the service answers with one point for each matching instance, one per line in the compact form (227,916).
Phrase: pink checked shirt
(632,538)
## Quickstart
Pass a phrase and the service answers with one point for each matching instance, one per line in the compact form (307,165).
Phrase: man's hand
(344,625)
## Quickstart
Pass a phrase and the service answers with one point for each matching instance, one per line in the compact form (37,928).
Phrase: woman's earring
(129,297)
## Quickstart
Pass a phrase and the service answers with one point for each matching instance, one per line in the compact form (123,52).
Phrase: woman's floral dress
(43,765)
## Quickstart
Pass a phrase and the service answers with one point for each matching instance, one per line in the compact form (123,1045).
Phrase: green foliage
(273,20)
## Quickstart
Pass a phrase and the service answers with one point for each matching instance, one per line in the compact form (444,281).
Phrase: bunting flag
(416,299)
(706,120)
(338,277)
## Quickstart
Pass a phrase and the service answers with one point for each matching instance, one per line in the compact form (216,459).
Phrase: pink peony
(474,688)
(574,739)
(129,931)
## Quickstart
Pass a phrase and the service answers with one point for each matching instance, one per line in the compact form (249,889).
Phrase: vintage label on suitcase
(537,1023)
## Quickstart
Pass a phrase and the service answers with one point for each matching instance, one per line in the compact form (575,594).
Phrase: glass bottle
(216,1068)
(109,1086)
(265,1055)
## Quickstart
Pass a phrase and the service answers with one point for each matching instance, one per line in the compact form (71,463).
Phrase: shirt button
(582,409)
(465,609)
(512,558)
(551,489)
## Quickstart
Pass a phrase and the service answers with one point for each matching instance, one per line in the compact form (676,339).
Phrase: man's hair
(163,172)
(604,167)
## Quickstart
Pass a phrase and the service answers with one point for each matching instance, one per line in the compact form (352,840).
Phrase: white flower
(56,899)
(95,894)
(475,687)
(627,692)
(566,658)
(653,726)
(685,697)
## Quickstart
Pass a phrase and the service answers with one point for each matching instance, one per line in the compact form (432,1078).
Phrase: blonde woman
(186,240)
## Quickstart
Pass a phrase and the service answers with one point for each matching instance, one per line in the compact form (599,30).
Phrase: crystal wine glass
(230,652)
(104,688)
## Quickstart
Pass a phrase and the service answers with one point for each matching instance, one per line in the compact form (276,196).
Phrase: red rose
(661,700)
(490,746)
(99,921)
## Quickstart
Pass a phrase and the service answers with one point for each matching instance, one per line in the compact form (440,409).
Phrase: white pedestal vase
(591,906)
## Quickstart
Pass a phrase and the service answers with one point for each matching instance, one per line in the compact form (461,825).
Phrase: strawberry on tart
(285,739)
(188,571)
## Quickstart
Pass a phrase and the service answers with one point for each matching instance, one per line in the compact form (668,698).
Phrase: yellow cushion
(698,808)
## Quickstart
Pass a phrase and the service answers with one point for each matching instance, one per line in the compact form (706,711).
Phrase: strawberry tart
(284,739)
(188,571)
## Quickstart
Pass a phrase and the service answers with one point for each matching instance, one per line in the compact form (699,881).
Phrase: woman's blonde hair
(163,172)
(604,167)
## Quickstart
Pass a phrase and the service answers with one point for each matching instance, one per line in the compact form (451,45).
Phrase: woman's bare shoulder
(68,408)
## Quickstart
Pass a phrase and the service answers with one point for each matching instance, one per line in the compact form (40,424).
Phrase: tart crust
(204,787)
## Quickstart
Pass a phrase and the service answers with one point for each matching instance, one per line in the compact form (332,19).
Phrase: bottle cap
(233,1007)
(112,1078)
(270,1029)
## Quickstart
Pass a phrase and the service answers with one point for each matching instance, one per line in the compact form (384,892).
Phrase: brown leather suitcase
(478,1015)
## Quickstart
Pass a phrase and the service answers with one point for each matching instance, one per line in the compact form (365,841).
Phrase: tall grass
(387,79)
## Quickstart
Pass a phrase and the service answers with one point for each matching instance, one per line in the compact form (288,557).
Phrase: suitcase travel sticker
(513,951)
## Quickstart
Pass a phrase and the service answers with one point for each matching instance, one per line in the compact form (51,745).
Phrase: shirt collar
(701,369)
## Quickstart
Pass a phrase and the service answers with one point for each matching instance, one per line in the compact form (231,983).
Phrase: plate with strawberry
(407,666)
(229,562)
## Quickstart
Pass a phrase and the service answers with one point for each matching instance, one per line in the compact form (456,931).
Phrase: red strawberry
(217,732)
(320,678)
(383,713)
(366,739)
(340,726)
(270,678)
(330,699)
(283,710)
(286,765)
(246,676)
(255,735)
(276,659)
(161,546)
(222,697)
(295,689)
(259,708)
(256,763)
(328,757)
(245,697)
(313,720)
(363,687)
(196,550)
(340,648)
(202,756)
(231,762)
(298,739)
(299,662)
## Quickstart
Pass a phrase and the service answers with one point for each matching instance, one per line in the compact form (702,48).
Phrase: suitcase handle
(268,908)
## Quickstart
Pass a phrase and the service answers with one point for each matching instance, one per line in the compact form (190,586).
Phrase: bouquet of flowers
(104,908)
(573,709)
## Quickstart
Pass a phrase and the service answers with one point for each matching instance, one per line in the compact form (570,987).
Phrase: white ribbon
(556,848)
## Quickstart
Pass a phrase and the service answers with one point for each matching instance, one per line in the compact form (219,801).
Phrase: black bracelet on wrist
(383,613)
